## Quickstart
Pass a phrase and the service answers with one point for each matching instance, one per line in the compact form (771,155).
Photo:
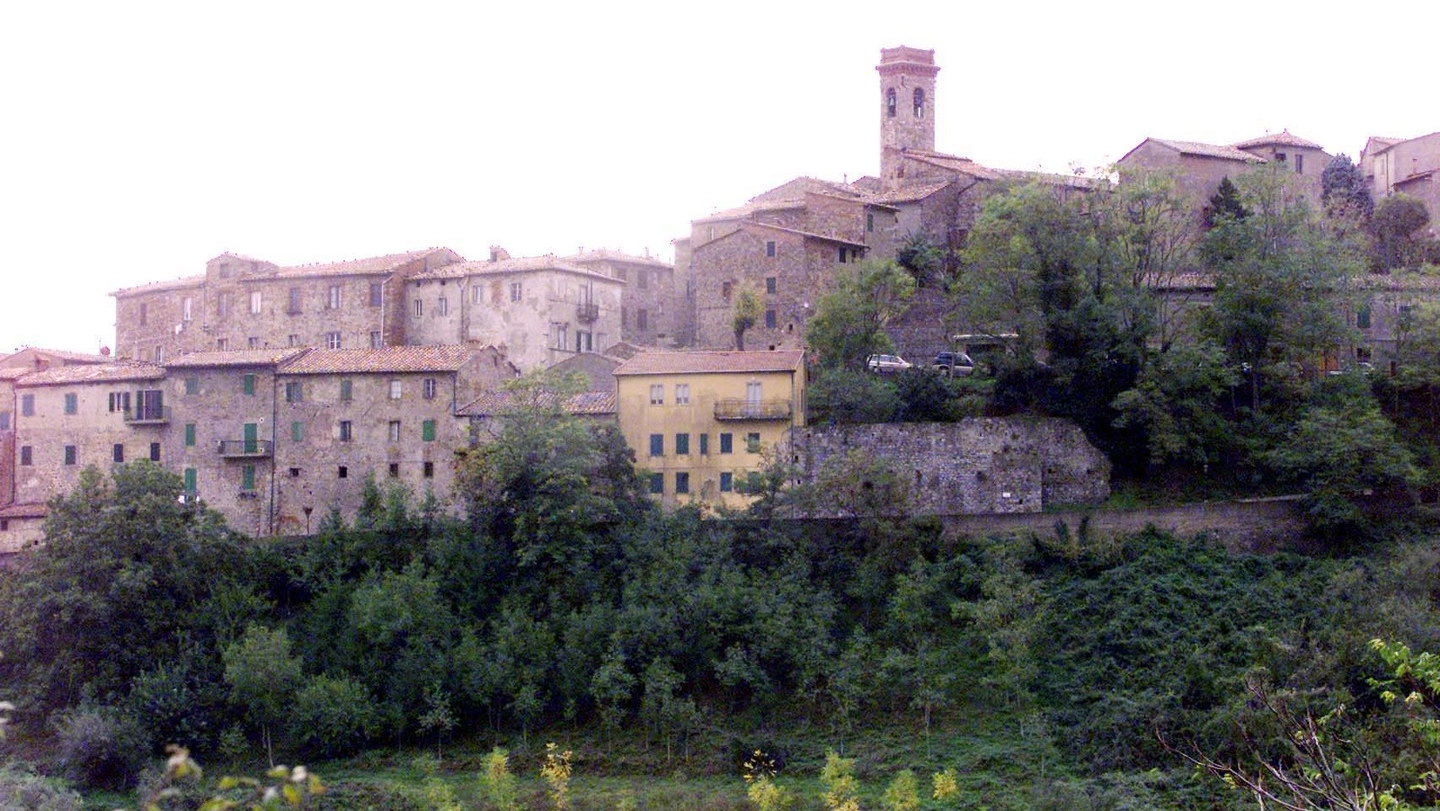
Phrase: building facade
(703,423)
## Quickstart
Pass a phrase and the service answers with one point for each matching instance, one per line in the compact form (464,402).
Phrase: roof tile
(657,363)
(390,359)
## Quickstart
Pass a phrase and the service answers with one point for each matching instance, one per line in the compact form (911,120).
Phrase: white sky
(139,139)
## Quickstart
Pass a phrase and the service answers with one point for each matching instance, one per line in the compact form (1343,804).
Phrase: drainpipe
(274,418)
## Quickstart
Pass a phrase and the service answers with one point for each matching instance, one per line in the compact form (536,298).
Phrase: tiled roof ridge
(798,232)
(1284,137)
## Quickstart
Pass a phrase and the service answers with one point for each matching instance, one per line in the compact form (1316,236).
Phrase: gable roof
(502,267)
(390,359)
(659,363)
(1198,149)
(369,266)
(800,186)
(750,226)
(617,257)
(750,209)
(1282,138)
(951,163)
(160,287)
(234,357)
(500,403)
(19,357)
(116,372)
(912,191)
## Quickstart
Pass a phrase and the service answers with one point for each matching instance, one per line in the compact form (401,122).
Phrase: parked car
(886,363)
(953,363)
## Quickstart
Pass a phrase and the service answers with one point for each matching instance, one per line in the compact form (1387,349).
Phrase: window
(427,389)
(154,451)
(294,392)
(475,293)
(119,401)
(561,336)
(347,390)
(642,278)
(704,444)
(342,472)
(770,285)
(187,309)
(515,291)
(725,288)
(144,313)
(72,403)
(442,306)
(253,342)
(192,385)
(247,384)
(752,442)
(842,256)
(682,444)
(770,319)
(376,294)
(428,470)
(376,340)
(347,432)
(222,344)
(27,456)
(919,103)
(294,472)
(297,431)
(419,308)
(657,394)
(727,443)
(1362,318)
(427,431)
(247,477)
(1299,164)
(292,341)
(5,419)
(332,301)
(890,103)
(71,454)
(642,318)
(869,221)
(332,340)
(394,470)
(770,248)
(657,484)
(682,481)
(222,305)
(118,453)
(294,306)
(27,405)
(159,354)
(682,394)
(396,389)
(189,434)
(727,482)
(190,483)
(584,341)
(657,444)
(394,431)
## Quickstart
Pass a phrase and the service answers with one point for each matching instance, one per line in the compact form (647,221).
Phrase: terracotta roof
(806,234)
(160,287)
(524,264)
(607,255)
(374,265)
(912,191)
(92,373)
(659,363)
(500,403)
(234,357)
(800,186)
(14,372)
(749,209)
(24,511)
(1207,150)
(63,354)
(1396,282)
(623,350)
(1283,138)
(447,358)
(952,163)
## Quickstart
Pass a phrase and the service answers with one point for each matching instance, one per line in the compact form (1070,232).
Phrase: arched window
(890,103)
(919,103)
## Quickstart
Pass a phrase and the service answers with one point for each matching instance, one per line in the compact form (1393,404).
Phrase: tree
(263,676)
(1343,190)
(850,320)
(1396,224)
(1225,204)
(747,312)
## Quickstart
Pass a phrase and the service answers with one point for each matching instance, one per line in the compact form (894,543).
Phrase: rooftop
(500,403)
(92,373)
(1282,138)
(390,359)
(659,363)
(234,357)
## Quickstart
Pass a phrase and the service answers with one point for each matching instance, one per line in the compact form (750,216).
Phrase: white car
(886,363)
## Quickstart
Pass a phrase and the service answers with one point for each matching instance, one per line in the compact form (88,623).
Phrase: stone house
(392,415)
(245,303)
(701,423)
(651,303)
(1408,166)
(537,310)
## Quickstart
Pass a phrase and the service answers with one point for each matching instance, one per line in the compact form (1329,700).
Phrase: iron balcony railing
(245,448)
(587,311)
(148,415)
(741,409)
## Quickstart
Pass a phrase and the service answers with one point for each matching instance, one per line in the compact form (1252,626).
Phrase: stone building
(651,303)
(1404,166)
(701,423)
(245,303)
(538,310)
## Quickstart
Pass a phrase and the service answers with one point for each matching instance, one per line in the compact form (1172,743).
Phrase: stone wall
(978,465)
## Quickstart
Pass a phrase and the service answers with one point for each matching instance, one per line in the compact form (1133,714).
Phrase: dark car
(953,363)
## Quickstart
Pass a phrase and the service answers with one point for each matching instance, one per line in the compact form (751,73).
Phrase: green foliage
(333,716)
(849,321)
(263,676)
(842,788)
(555,771)
(746,313)
(96,750)
(1396,225)
(1226,204)
(1344,191)
(23,790)
(922,259)
(499,781)
(903,793)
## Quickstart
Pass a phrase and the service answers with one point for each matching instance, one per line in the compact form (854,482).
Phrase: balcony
(740,409)
(587,312)
(147,415)
(246,448)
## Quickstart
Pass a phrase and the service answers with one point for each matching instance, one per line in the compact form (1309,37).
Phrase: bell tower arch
(907,101)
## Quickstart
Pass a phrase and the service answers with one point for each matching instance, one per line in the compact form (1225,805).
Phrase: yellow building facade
(701,423)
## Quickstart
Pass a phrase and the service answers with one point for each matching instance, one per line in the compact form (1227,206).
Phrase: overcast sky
(139,139)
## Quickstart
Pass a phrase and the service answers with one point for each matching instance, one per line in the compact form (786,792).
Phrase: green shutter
(297,431)
(249,384)
(427,430)
(190,480)
(247,480)
(189,434)
(252,437)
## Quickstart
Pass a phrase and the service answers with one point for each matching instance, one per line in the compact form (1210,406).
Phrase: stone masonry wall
(979,465)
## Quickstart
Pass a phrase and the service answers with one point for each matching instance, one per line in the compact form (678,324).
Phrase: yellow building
(701,422)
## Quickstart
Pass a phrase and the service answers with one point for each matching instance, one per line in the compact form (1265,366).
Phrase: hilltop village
(276,392)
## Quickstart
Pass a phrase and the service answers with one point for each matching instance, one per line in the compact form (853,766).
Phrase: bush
(95,748)
(22,790)
(352,796)
(333,717)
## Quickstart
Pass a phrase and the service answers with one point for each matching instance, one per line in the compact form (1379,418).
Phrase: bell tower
(907,107)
